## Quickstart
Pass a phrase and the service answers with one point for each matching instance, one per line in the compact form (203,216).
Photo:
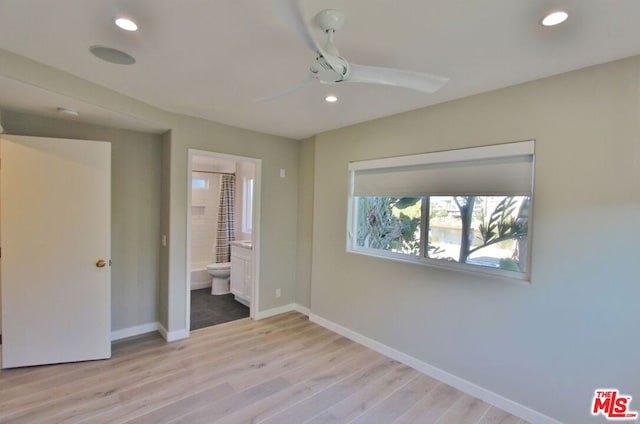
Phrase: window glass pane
(465,209)
(488,231)
(247,205)
(389,223)
(199,183)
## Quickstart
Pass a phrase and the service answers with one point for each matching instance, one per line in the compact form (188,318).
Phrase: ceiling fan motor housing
(330,20)
(322,71)
(329,67)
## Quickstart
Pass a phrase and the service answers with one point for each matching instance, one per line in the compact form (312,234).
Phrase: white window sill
(442,264)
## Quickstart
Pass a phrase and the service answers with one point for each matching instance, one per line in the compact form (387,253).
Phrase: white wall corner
(274,311)
(302,309)
(172,336)
(461,384)
(135,331)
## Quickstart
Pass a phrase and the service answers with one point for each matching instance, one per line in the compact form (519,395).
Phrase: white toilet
(220,273)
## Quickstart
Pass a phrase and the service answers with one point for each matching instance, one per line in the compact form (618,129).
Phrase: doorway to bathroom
(222,237)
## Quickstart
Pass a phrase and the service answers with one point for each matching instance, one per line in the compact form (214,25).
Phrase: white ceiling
(213,59)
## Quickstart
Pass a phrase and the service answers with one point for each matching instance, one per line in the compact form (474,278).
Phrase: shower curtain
(225,218)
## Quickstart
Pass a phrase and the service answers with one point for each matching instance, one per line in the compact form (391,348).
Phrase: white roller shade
(505,169)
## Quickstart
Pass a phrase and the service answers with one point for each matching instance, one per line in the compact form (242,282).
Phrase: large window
(465,209)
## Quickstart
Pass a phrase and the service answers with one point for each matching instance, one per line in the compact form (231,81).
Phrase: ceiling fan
(331,68)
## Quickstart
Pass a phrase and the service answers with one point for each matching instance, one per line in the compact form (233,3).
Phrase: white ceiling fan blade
(286,93)
(292,13)
(425,83)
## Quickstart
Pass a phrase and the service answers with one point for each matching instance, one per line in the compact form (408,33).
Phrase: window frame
(205,180)
(247,204)
(483,152)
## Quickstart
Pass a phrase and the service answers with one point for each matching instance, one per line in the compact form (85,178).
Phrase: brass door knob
(101,263)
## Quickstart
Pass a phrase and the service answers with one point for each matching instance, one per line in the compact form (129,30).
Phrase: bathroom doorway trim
(255,237)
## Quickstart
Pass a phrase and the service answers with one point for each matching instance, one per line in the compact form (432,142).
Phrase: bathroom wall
(204,219)
(204,208)
(205,202)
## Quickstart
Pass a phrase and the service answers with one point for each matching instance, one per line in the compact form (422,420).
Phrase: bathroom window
(466,209)
(199,183)
(247,205)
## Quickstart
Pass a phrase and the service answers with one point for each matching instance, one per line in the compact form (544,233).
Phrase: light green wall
(547,344)
(163,313)
(279,206)
(135,205)
(305,222)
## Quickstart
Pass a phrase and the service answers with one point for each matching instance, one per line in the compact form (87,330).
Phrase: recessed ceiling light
(126,24)
(331,98)
(112,55)
(554,18)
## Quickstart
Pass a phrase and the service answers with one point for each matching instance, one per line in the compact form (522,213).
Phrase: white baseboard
(149,328)
(273,311)
(197,285)
(281,310)
(302,309)
(461,384)
(172,336)
(134,331)
(183,334)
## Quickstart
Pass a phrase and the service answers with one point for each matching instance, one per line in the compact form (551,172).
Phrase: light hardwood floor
(281,370)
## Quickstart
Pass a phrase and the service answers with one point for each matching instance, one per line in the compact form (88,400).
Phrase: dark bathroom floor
(208,310)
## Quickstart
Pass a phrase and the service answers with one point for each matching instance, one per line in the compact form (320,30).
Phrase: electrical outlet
(278,293)
(164,240)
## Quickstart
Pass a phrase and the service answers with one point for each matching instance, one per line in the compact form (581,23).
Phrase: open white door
(55,225)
